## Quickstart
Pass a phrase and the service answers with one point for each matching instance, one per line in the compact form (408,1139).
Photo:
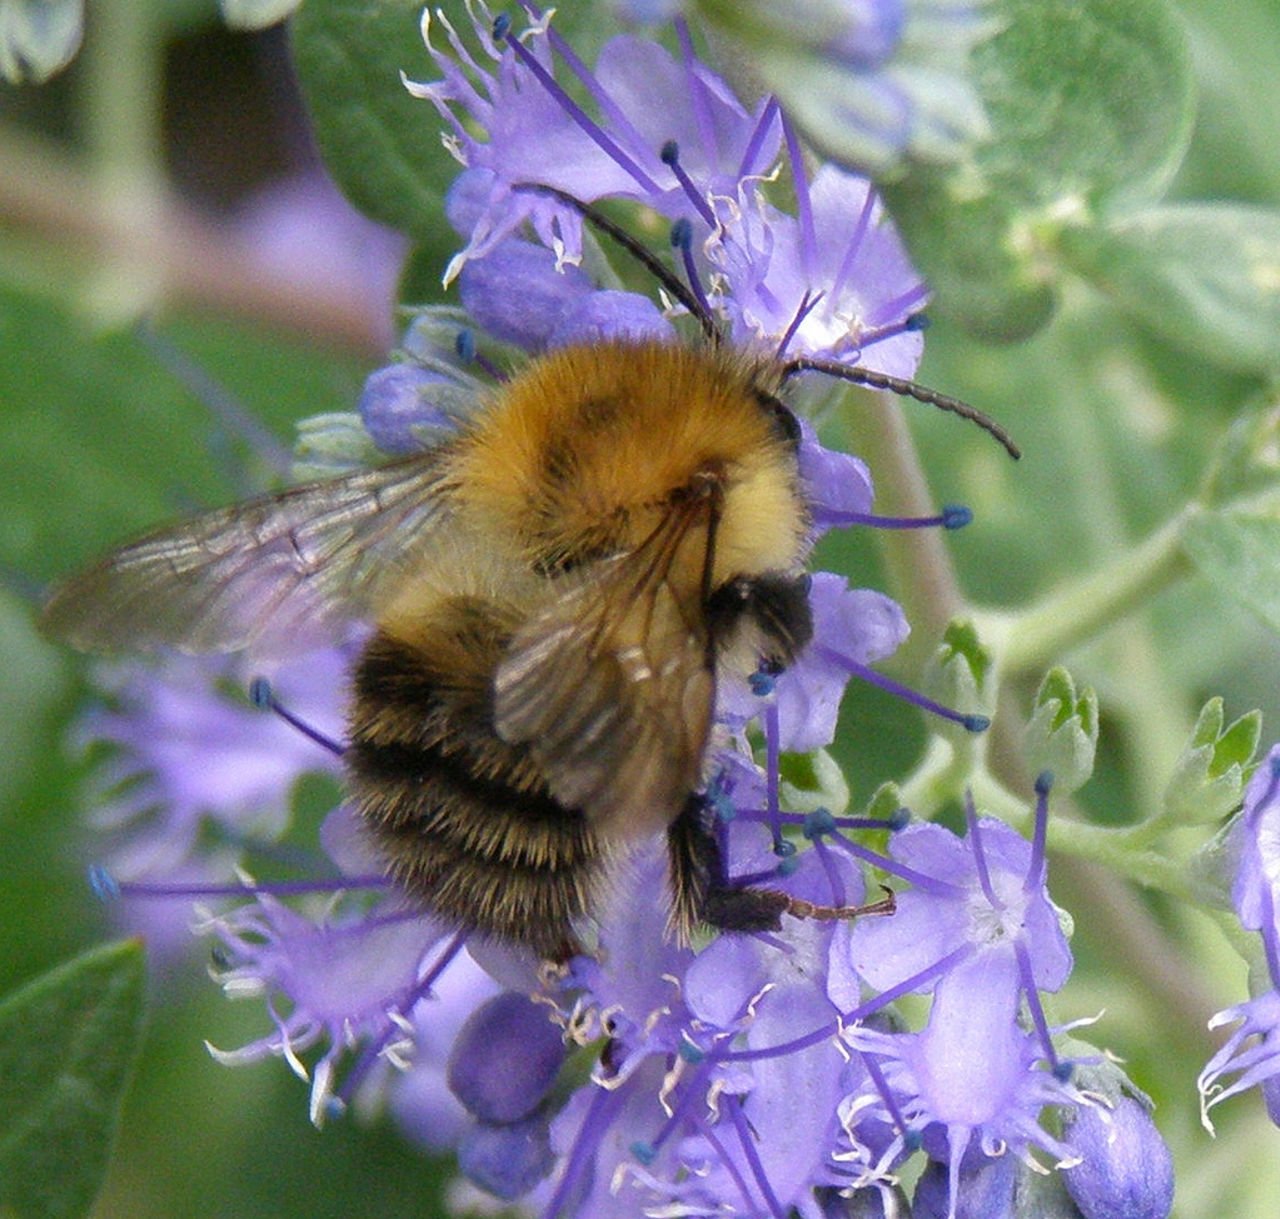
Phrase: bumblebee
(555,590)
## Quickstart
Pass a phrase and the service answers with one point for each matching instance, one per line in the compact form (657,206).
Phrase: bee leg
(703,893)
(701,890)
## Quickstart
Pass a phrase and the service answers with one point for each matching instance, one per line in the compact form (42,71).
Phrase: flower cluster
(754,1075)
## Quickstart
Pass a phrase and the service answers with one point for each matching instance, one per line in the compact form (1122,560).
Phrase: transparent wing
(612,683)
(278,573)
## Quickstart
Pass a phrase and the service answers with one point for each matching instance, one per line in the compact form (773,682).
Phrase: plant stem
(1039,637)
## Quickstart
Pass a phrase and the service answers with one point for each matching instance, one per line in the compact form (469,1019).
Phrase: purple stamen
(829,823)
(718,1147)
(806,307)
(921,880)
(671,159)
(1035,1007)
(697,96)
(881,1085)
(917,981)
(804,204)
(574,111)
(261,696)
(747,167)
(979,854)
(682,241)
(1036,868)
(421,990)
(896,306)
(879,334)
(968,721)
(854,248)
(861,1012)
(608,107)
(595,1125)
(773,772)
(834,879)
(745,1137)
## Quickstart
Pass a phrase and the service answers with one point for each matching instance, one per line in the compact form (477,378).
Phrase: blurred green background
(100,440)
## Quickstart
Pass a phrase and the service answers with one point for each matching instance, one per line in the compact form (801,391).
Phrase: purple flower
(345,980)
(1252,1052)
(509,1027)
(398,406)
(533,132)
(979,931)
(748,1074)
(832,280)
(194,776)
(855,625)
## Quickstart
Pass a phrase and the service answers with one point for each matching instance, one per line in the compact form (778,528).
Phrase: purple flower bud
(987,1189)
(518,295)
(1126,1171)
(396,400)
(506,1160)
(505,1058)
(611,315)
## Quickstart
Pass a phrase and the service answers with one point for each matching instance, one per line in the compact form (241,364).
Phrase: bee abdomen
(463,818)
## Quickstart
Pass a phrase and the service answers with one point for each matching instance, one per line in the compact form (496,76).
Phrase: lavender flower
(979,931)
(1252,1053)
(192,776)
(870,82)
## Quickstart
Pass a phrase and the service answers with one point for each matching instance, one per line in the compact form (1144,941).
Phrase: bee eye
(784,420)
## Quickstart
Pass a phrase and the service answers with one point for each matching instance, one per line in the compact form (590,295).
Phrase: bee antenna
(857,375)
(641,253)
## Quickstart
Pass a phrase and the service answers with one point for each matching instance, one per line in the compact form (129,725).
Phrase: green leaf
(1239,552)
(67,1043)
(1088,99)
(381,145)
(1205,276)
(1090,104)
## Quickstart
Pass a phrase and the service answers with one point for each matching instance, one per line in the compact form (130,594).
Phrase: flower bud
(1126,1171)
(398,406)
(505,1058)
(1208,777)
(1062,735)
(509,1160)
(959,675)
